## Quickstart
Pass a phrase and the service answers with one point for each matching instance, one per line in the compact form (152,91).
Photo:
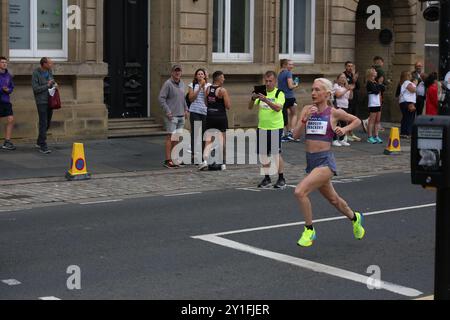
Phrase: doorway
(126,48)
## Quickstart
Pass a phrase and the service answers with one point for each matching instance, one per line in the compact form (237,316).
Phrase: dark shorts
(290,102)
(375,110)
(267,136)
(321,160)
(6,110)
(217,123)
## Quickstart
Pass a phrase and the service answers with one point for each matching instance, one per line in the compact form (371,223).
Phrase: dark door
(126,52)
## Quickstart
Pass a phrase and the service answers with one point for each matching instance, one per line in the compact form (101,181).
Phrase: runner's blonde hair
(328,86)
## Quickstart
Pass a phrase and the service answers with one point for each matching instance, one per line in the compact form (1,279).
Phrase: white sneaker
(203,166)
(224,167)
(336,143)
(345,144)
(365,125)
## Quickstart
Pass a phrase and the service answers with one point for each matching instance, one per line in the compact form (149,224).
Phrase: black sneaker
(8,146)
(265,184)
(169,164)
(281,184)
(45,150)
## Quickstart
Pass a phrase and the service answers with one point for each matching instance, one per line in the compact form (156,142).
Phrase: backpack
(444,100)
(188,101)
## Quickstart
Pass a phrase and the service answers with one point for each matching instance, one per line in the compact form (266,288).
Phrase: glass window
(19,24)
(36,29)
(49,25)
(297,28)
(432,46)
(233,30)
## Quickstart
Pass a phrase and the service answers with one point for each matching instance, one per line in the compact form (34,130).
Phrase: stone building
(114,65)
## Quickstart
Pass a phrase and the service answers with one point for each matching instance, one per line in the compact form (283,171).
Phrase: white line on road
(365,177)
(11,282)
(49,299)
(320,220)
(182,194)
(249,189)
(310,265)
(100,202)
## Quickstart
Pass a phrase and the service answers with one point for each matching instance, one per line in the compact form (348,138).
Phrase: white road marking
(249,189)
(321,220)
(365,177)
(310,265)
(49,299)
(100,202)
(11,282)
(182,194)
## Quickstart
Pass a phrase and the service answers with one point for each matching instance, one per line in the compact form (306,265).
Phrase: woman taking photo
(343,93)
(375,90)
(218,102)
(319,123)
(198,109)
(407,101)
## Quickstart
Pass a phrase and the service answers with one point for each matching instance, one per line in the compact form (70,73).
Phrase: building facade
(114,64)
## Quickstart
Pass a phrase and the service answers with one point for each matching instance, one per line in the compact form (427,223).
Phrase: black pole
(444,41)
(442,264)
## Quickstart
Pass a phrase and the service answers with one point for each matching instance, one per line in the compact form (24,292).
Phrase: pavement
(133,168)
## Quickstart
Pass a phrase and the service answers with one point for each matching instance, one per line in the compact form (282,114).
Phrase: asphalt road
(147,248)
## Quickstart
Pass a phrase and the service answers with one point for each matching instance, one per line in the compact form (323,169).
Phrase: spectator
(378,65)
(218,101)
(419,76)
(198,109)
(270,130)
(343,93)
(173,101)
(431,85)
(6,111)
(374,90)
(407,101)
(42,82)
(352,80)
(287,84)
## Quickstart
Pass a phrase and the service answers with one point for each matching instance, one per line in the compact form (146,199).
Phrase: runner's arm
(353,122)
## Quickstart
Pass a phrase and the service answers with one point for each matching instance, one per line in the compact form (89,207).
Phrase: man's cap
(177,67)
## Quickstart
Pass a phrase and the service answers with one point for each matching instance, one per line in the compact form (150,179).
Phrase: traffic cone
(78,170)
(394,146)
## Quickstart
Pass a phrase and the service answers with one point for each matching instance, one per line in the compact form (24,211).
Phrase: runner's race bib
(317,127)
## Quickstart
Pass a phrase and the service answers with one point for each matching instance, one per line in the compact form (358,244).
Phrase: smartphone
(261,90)
(297,81)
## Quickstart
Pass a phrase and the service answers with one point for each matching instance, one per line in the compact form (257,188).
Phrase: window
(297,30)
(233,31)
(432,47)
(37,29)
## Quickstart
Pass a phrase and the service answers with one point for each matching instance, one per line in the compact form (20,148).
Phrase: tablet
(261,89)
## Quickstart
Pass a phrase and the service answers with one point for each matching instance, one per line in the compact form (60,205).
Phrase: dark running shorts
(6,110)
(375,110)
(217,123)
(266,136)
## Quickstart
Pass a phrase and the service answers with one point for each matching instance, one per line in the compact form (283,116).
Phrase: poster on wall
(19,24)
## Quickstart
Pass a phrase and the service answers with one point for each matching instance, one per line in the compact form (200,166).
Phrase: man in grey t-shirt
(173,102)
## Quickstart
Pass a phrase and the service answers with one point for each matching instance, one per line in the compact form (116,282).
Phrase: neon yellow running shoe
(358,229)
(308,238)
